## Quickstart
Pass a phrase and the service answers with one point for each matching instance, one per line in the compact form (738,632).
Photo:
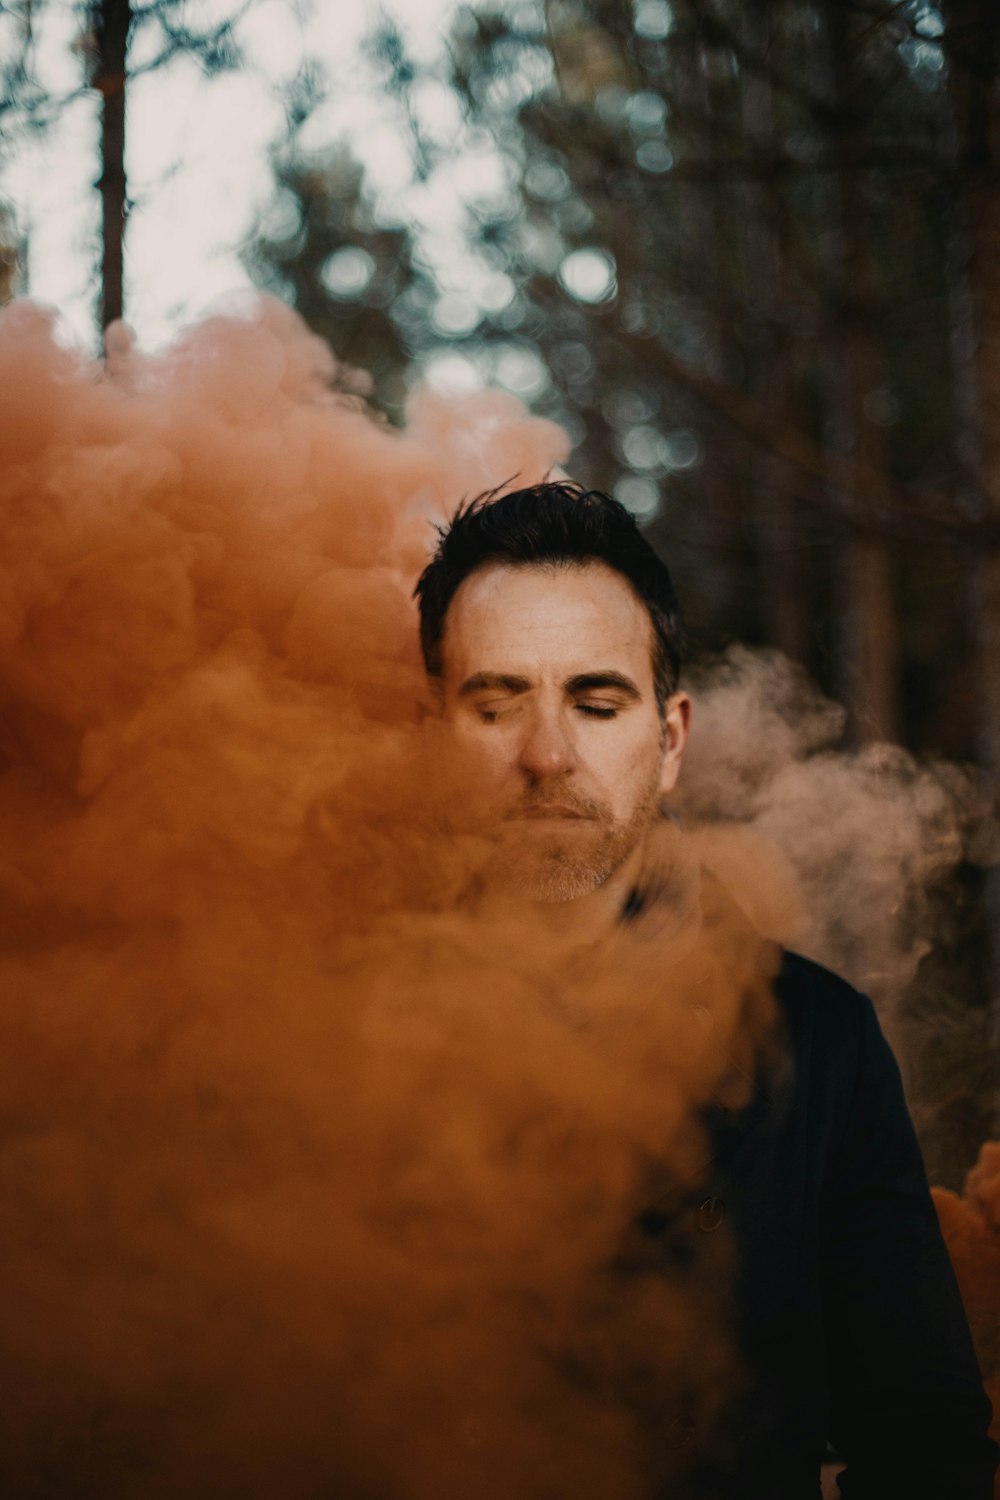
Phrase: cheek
(645,780)
(627,771)
(482,754)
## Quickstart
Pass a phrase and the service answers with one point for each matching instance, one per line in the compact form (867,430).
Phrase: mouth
(551,812)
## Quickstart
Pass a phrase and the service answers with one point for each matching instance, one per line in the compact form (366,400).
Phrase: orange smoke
(311,1183)
(971,1225)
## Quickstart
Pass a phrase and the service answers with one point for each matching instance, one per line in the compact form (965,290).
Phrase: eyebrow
(587,681)
(584,682)
(492,681)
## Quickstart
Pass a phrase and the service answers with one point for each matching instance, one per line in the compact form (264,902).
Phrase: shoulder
(841,1059)
(804,981)
(817,1004)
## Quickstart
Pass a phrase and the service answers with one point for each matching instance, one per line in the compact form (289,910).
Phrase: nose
(547,749)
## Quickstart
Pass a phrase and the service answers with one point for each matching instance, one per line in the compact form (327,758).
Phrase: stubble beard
(549,865)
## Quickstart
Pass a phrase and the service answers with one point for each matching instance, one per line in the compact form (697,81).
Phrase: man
(551,634)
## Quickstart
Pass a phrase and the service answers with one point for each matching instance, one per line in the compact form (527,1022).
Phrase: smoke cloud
(834,853)
(971,1224)
(314,1181)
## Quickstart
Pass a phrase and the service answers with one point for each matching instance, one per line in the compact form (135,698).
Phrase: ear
(677,723)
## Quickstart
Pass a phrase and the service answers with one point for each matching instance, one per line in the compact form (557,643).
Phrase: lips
(555,811)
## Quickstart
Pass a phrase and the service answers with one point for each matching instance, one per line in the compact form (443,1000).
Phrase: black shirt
(847,1310)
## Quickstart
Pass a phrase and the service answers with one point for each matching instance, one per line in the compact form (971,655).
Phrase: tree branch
(864,498)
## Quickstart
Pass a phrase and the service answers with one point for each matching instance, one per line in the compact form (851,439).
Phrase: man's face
(549,701)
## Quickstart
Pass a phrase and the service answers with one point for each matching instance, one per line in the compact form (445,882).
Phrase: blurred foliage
(355,279)
(26,104)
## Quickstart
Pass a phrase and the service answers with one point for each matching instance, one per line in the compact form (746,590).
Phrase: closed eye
(489,713)
(597,710)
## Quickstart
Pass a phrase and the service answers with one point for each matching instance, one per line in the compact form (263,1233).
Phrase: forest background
(748,255)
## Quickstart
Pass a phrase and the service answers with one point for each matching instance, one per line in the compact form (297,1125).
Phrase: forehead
(547,618)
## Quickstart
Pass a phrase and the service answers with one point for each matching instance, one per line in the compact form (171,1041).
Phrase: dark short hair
(551,523)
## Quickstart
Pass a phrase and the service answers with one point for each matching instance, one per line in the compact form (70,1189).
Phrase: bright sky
(197,152)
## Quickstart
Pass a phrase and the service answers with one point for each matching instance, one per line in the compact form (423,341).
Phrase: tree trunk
(973,48)
(8,255)
(784,615)
(703,214)
(973,44)
(112,20)
(869,640)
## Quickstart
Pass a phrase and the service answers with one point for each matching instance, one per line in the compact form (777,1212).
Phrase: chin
(559,872)
(556,885)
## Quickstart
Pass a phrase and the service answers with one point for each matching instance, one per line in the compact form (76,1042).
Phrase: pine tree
(355,280)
